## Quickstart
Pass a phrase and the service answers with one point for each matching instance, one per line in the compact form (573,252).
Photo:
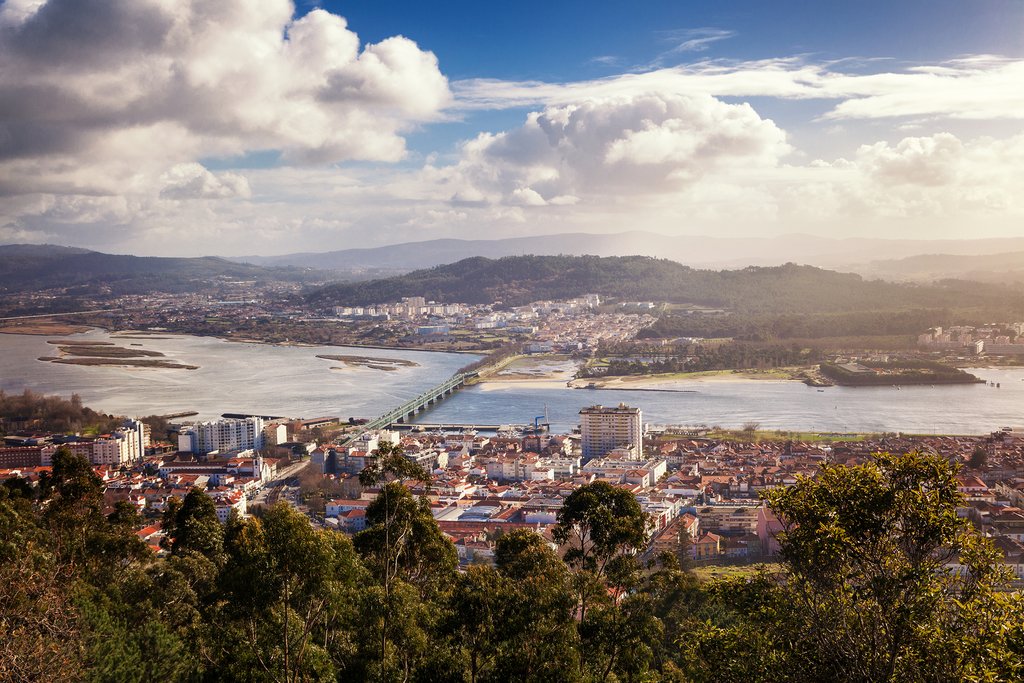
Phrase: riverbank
(44,329)
(544,369)
(660,381)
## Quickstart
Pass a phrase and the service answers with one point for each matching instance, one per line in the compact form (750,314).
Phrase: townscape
(702,494)
(533,342)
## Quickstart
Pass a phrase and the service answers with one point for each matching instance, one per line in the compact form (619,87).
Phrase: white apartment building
(222,435)
(604,429)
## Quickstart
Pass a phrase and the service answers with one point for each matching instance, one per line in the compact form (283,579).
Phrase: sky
(238,127)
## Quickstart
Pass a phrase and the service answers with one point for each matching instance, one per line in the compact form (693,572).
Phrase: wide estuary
(234,377)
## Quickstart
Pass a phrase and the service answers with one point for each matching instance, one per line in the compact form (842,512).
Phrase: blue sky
(262,126)
(558,40)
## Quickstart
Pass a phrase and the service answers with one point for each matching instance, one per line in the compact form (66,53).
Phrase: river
(773,404)
(291,381)
(232,377)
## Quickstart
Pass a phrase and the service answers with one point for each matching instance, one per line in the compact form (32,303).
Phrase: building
(275,434)
(611,429)
(222,435)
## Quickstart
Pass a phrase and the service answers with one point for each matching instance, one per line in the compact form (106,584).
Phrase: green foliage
(597,522)
(866,594)
(54,413)
(787,292)
(193,526)
(863,595)
(288,595)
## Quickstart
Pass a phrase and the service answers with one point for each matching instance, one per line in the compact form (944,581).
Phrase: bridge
(408,410)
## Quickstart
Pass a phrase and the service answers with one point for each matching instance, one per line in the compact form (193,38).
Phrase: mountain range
(868,256)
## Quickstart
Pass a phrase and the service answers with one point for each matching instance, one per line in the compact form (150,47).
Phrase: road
(283,486)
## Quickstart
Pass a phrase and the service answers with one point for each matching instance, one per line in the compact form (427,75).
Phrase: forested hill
(27,267)
(790,288)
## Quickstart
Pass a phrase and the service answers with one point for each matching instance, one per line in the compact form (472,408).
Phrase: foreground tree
(411,563)
(597,523)
(883,581)
(289,600)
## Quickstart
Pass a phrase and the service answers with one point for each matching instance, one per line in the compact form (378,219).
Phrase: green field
(736,571)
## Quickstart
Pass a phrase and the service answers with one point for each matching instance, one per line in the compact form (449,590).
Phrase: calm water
(958,409)
(292,381)
(232,377)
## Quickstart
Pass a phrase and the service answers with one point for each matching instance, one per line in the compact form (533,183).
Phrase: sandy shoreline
(44,329)
(671,382)
(665,381)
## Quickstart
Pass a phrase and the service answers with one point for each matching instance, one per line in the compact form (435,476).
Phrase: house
(706,546)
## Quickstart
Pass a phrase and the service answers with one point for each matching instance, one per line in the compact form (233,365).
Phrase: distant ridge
(27,267)
(786,289)
(1002,268)
(850,254)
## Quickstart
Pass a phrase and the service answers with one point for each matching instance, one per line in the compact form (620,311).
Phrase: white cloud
(129,86)
(193,181)
(693,39)
(108,106)
(647,144)
(975,88)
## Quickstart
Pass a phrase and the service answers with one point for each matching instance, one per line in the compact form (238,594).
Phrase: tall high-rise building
(604,430)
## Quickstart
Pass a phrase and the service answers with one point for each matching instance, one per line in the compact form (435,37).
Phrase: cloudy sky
(182,127)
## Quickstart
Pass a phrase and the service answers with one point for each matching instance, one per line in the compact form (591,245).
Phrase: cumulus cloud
(124,85)
(107,108)
(629,146)
(193,181)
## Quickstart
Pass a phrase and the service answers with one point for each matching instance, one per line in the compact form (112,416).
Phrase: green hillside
(790,288)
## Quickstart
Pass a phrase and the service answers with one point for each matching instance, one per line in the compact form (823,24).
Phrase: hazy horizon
(261,127)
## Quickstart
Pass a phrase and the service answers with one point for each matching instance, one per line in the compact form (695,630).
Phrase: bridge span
(408,410)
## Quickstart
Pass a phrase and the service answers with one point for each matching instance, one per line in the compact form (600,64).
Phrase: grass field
(712,572)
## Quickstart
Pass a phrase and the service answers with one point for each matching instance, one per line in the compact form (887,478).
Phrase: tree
(290,598)
(193,526)
(38,621)
(598,522)
(410,559)
(979,458)
(75,507)
(476,618)
(865,550)
(539,641)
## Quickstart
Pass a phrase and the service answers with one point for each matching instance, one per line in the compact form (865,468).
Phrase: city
(534,342)
(702,495)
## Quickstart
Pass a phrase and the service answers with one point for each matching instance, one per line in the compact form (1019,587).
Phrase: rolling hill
(790,288)
(699,251)
(28,267)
